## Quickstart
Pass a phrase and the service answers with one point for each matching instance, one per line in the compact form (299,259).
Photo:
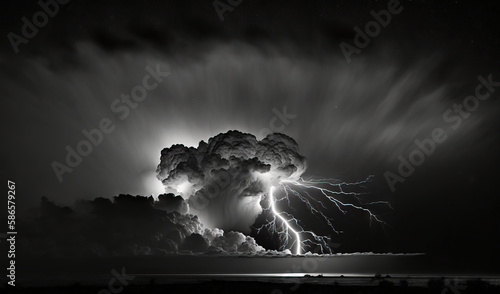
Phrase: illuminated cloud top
(225,178)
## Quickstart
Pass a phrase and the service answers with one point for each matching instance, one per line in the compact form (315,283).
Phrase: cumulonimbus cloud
(225,178)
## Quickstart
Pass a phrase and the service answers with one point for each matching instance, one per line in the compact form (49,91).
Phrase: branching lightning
(285,222)
(290,228)
(238,165)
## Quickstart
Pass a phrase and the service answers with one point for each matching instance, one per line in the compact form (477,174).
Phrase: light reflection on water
(268,275)
(344,279)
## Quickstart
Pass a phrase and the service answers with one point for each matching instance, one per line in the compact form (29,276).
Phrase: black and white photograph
(250,146)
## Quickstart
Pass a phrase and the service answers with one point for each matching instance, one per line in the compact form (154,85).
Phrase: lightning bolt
(289,228)
(285,222)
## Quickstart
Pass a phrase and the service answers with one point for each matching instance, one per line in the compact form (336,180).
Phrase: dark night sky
(352,120)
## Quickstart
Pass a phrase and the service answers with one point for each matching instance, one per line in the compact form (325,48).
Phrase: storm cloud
(125,226)
(225,178)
